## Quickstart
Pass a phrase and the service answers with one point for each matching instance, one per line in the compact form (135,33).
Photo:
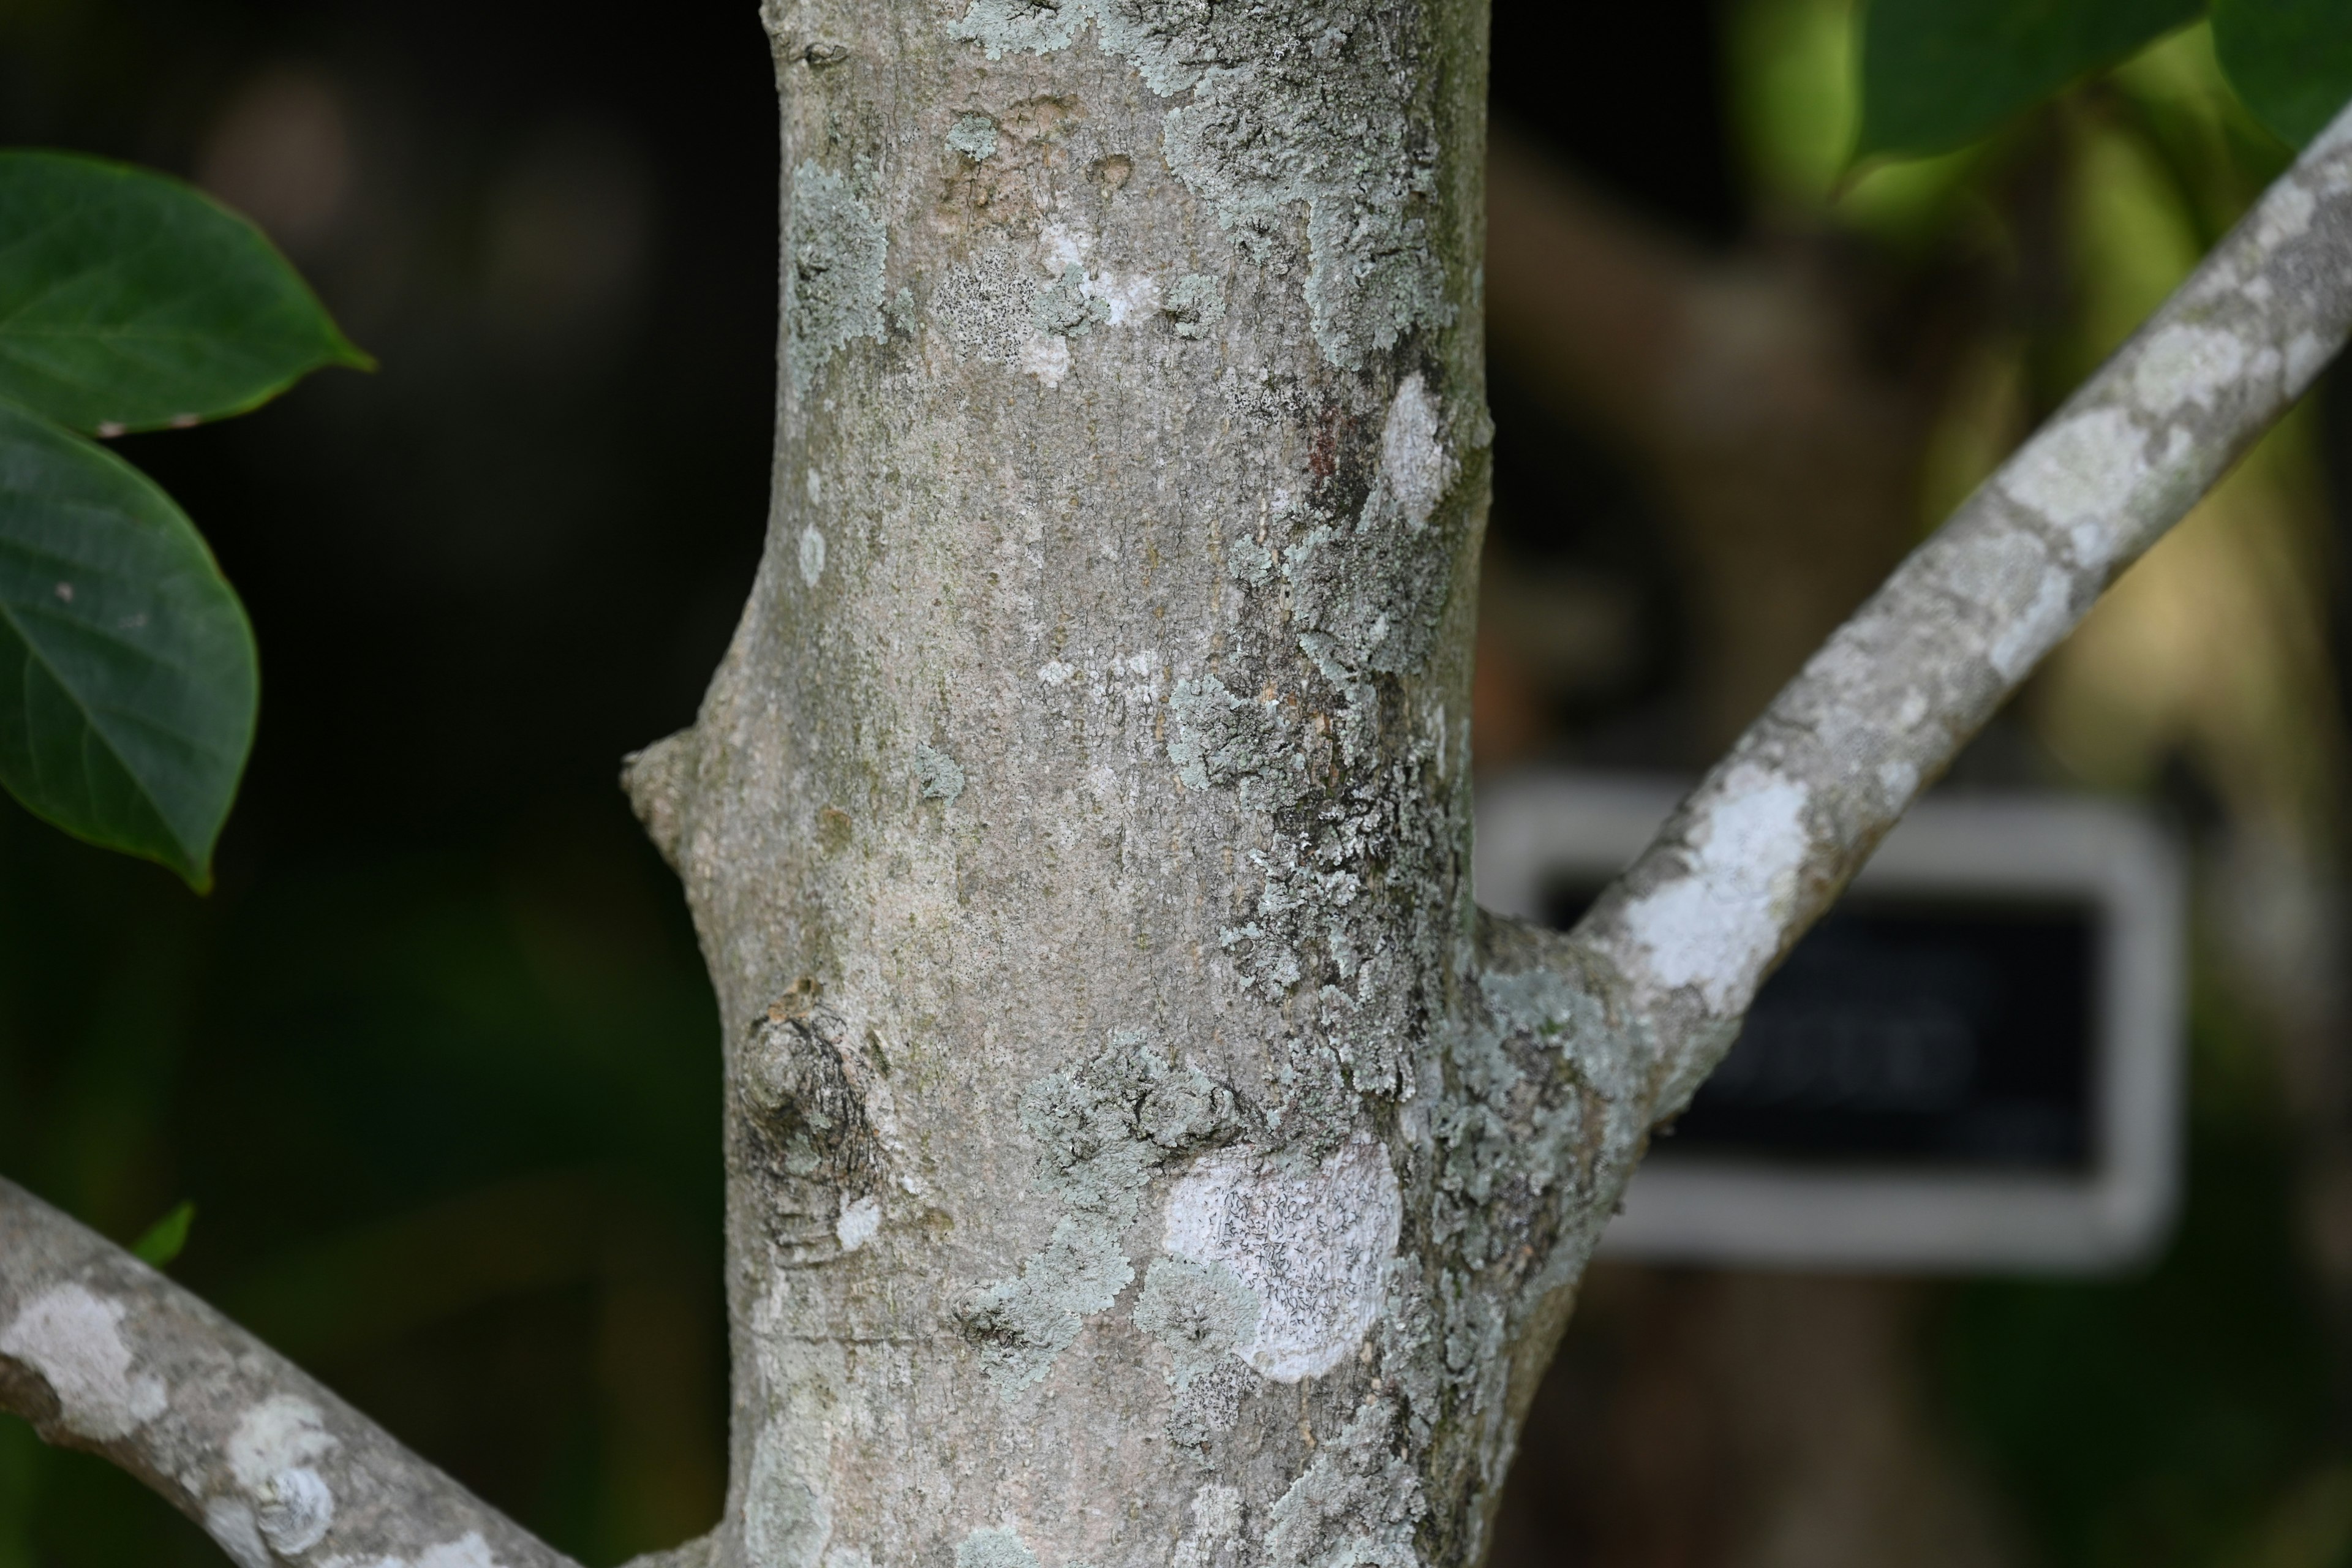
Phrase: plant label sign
(1973,1063)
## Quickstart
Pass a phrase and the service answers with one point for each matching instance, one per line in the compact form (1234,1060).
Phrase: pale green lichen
(1102,1130)
(1201,1312)
(1324,105)
(1215,737)
(937,775)
(1354,1506)
(1064,308)
(833,288)
(994,1549)
(974,136)
(1194,304)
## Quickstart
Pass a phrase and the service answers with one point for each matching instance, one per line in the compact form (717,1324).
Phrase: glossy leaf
(129,300)
(166,1238)
(1937,74)
(128,680)
(2291,60)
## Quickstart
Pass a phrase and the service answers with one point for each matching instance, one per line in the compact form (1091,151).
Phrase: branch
(101,1352)
(1772,835)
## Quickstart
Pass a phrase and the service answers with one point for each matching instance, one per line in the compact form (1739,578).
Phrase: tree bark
(1140,1149)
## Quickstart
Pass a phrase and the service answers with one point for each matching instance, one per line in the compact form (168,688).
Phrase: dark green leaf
(2291,60)
(128,681)
(1937,74)
(129,300)
(165,1238)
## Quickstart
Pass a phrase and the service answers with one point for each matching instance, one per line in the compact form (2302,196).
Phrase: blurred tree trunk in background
(1782,419)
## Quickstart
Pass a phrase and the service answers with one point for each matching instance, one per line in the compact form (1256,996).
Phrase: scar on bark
(809,1125)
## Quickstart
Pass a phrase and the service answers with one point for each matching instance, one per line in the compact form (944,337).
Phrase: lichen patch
(994,1549)
(1312,1245)
(937,775)
(833,286)
(1714,927)
(1322,106)
(2079,475)
(1415,464)
(2185,365)
(1102,1130)
(73,1338)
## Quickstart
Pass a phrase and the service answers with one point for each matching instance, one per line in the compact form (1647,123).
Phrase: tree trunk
(1077,827)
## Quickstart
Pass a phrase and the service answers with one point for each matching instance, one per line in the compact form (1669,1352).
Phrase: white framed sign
(1973,1064)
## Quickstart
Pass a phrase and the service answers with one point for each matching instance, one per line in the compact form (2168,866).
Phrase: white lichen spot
(994,1549)
(2021,640)
(1413,456)
(73,1338)
(2080,476)
(1125,297)
(230,1522)
(2284,213)
(1912,708)
(2187,364)
(2307,354)
(1061,248)
(1046,357)
(815,483)
(293,1509)
(469,1550)
(811,555)
(1715,926)
(860,1219)
(1313,1245)
(1897,782)
(278,1434)
(1056,673)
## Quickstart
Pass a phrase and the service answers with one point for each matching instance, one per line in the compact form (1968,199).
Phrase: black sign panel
(1907,1030)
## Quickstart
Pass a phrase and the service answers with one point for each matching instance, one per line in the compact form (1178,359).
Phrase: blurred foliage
(437,1062)
(1938,74)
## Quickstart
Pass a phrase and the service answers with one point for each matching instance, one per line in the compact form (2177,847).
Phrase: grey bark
(102,1353)
(1139,1148)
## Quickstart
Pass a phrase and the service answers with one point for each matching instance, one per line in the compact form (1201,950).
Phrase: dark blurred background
(436,1060)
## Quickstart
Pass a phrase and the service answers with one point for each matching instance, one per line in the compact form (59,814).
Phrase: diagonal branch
(101,1352)
(1774,833)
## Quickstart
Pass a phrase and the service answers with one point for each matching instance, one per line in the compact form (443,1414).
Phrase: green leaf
(165,1238)
(1937,74)
(2291,60)
(129,300)
(128,679)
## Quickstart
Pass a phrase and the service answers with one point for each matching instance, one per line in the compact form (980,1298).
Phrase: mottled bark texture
(1140,1149)
(103,1354)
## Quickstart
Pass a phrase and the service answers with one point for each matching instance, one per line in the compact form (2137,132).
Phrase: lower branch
(1772,835)
(101,1352)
